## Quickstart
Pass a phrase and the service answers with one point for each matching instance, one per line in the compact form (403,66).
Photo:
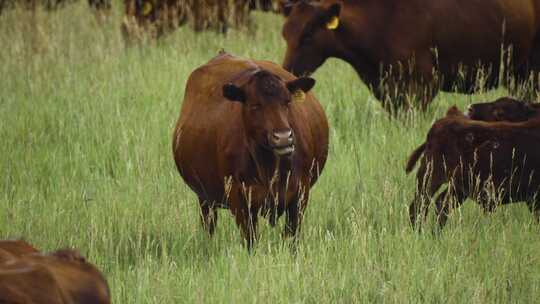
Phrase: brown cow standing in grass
(491,162)
(62,277)
(252,139)
(401,49)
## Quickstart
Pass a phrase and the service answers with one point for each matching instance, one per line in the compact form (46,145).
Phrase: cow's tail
(415,155)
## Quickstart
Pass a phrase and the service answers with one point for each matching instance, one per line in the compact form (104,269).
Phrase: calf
(250,137)
(502,109)
(491,162)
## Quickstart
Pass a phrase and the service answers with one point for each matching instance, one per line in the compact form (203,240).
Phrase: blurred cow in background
(49,5)
(154,18)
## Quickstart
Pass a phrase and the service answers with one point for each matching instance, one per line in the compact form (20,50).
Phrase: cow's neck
(364,54)
(271,169)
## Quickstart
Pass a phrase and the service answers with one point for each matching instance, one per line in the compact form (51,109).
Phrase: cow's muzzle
(282,142)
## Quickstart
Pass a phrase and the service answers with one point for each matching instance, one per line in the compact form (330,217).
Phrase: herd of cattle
(252,138)
(263,141)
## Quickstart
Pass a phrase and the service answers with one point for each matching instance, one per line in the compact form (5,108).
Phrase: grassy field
(86,161)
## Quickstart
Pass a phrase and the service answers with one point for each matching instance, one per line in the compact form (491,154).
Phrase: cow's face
(309,31)
(266,100)
(503,109)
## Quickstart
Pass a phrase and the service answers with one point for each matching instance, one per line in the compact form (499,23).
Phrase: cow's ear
(234,93)
(299,87)
(285,6)
(331,17)
(302,83)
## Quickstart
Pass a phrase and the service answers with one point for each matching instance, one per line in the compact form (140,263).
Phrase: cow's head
(266,99)
(310,32)
(502,109)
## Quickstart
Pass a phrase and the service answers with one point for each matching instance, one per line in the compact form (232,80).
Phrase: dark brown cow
(491,162)
(250,138)
(502,109)
(414,48)
(62,277)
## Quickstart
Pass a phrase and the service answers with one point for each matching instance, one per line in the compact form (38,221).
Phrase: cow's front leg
(246,215)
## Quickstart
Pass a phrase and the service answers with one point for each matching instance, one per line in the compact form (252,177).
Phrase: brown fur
(491,162)
(63,276)
(10,249)
(221,146)
(391,43)
(502,109)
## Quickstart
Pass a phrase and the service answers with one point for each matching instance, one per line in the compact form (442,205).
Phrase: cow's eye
(307,38)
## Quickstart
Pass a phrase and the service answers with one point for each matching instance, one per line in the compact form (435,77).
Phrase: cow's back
(26,282)
(14,248)
(480,28)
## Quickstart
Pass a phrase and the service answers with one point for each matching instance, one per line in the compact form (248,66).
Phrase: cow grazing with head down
(61,277)
(407,48)
(491,162)
(251,138)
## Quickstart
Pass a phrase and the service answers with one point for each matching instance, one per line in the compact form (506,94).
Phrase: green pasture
(86,162)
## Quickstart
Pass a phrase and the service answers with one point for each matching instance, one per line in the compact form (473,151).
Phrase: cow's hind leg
(208,216)
(246,219)
(445,204)
(245,214)
(295,214)
(534,207)
(427,183)
(418,207)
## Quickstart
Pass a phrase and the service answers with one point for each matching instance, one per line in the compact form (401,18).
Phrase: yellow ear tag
(299,96)
(333,23)
(147,8)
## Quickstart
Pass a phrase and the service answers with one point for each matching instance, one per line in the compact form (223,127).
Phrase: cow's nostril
(280,135)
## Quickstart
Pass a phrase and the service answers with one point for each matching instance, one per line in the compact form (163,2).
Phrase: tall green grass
(86,161)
